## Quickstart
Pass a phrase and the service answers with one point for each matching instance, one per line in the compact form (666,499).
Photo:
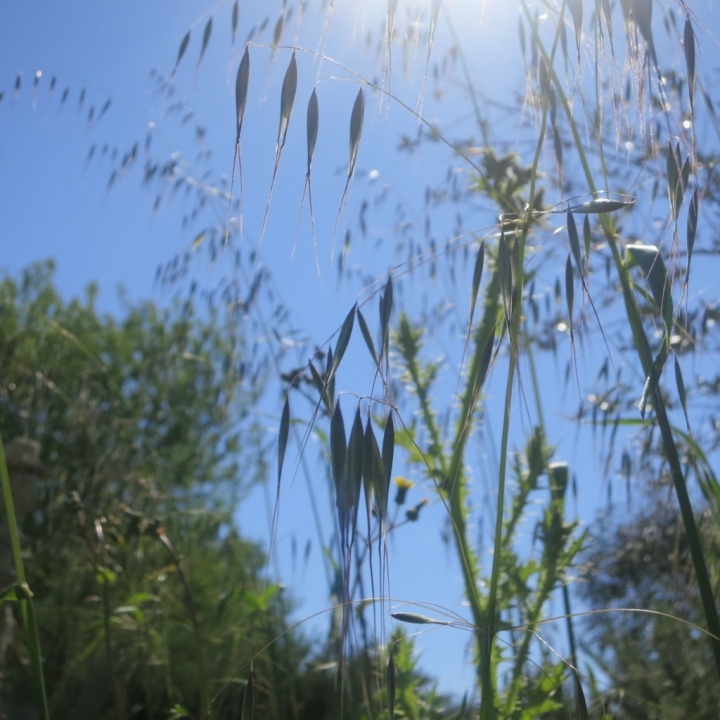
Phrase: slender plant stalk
(26,603)
(642,347)
(205,704)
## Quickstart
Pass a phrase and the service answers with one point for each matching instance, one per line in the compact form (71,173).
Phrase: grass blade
(648,258)
(581,704)
(416,619)
(505,270)
(391,687)
(248,701)
(477,277)
(181,51)
(388,449)
(574,241)
(602,205)
(689,47)
(313,122)
(587,241)
(367,336)
(343,340)
(576,10)
(23,592)
(283,436)
(234,23)
(569,293)
(692,221)
(681,391)
(287,100)
(206,39)
(242,82)
(356,124)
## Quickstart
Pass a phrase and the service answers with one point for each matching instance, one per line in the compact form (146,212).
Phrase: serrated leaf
(313,123)
(356,124)
(483,366)
(241,90)
(283,436)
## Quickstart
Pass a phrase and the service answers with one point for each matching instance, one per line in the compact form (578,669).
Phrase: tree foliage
(129,442)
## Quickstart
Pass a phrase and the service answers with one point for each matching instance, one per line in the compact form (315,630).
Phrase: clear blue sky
(55,202)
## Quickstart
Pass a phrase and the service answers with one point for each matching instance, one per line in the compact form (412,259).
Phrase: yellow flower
(403,485)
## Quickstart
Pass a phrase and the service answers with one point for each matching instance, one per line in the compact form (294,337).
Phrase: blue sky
(57,202)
